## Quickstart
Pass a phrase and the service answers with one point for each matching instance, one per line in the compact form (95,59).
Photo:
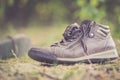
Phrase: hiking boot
(86,42)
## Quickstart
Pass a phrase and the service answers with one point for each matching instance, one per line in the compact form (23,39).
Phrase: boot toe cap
(41,54)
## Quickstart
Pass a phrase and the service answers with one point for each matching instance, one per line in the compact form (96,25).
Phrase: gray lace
(83,31)
(85,28)
(71,33)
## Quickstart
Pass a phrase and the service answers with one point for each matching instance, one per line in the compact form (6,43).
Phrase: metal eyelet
(91,35)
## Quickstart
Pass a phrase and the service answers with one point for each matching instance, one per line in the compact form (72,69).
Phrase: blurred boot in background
(15,46)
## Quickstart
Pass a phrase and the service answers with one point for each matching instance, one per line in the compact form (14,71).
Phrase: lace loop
(71,33)
(86,29)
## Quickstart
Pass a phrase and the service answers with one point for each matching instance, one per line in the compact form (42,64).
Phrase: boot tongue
(71,32)
(86,21)
(90,26)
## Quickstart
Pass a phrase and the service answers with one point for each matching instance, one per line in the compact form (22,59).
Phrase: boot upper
(82,39)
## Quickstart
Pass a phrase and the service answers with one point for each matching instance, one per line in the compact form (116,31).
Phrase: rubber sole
(94,58)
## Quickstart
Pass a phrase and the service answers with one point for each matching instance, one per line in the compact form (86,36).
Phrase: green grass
(25,68)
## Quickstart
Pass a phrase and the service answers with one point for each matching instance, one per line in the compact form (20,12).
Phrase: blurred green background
(23,14)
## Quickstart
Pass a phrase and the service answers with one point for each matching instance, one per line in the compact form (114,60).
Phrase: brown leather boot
(87,42)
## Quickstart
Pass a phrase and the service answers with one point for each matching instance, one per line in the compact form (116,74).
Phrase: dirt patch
(27,69)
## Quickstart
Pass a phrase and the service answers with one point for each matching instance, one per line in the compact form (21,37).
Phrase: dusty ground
(27,69)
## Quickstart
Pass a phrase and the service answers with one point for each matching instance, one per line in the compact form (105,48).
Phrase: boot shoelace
(86,32)
(71,33)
